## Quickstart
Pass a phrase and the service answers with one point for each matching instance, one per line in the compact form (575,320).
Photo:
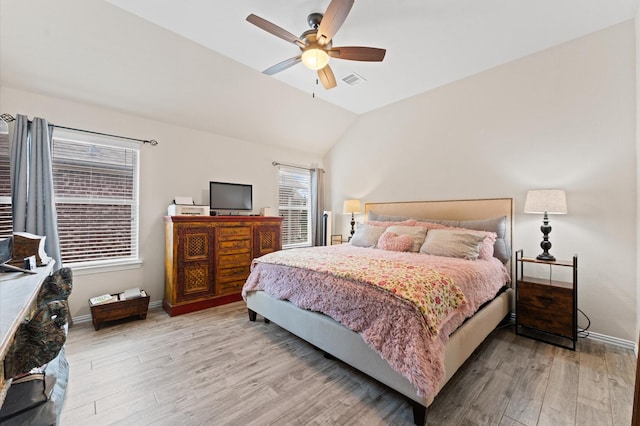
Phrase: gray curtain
(317,207)
(32,198)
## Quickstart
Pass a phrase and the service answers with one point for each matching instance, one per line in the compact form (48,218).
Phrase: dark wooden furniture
(118,310)
(547,309)
(208,258)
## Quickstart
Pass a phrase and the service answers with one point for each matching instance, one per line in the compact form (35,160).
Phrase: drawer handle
(546,300)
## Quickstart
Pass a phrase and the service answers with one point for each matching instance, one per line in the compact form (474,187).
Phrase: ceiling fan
(316,44)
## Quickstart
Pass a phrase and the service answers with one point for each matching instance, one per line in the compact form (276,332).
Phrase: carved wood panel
(195,262)
(266,239)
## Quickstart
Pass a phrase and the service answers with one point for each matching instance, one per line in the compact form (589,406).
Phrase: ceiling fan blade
(282,65)
(327,78)
(333,19)
(274,29)
(358,53)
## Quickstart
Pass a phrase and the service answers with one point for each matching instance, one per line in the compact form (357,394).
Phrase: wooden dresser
(208,258)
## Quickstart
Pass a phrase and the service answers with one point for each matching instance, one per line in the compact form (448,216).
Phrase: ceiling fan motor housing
(314,20)
(310,39)
(317,49)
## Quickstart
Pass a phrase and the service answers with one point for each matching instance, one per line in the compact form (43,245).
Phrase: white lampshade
(552,201)
(351,206)
(315,58)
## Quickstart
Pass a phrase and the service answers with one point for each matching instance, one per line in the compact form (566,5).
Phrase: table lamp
(547,201)
(353,207)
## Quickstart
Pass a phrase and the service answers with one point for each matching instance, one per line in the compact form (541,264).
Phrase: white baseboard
(613,340)
(81,318)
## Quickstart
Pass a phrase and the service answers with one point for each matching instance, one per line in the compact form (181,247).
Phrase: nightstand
(547,309)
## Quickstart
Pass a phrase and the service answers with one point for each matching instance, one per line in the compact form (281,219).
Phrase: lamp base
(353,224)
(546,257)
(545,244)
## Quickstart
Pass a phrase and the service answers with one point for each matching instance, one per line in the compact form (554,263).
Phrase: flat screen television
(230,196)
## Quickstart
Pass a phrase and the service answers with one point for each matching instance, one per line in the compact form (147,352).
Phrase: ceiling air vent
(353,79)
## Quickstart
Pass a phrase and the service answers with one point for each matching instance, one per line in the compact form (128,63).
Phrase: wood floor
(214,367)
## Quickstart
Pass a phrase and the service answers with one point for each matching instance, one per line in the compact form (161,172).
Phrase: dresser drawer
(226,261)
(545,296)
(556,322)
(233,274)
(230,287)
(234,232)
(234,246)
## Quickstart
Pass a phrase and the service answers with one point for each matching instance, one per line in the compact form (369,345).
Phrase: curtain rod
(8,118)
(275,163)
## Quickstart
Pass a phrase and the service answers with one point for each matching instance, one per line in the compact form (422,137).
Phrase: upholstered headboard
(451,210)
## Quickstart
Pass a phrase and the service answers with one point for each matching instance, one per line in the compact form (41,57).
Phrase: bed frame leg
(419,413)
(252,315)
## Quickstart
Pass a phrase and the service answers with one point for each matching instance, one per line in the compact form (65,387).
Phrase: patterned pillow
(453,243)
(394,242)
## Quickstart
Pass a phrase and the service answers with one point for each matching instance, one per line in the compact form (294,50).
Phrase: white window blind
(6,227)
(96,193)
(294,197)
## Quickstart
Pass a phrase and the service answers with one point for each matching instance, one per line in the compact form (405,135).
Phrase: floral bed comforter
(404,305)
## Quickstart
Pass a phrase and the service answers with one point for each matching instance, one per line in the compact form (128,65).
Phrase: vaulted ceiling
(198,63)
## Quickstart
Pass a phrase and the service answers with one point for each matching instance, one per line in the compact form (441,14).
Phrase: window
(6,226)
(294,199)
(95,182)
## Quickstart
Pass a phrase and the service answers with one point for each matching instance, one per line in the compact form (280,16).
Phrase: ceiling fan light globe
(315,58)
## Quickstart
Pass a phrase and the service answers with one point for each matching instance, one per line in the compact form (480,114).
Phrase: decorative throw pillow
(453,243)
(394,242)
(416,232)
(366,235)
(487,246)
(497,225)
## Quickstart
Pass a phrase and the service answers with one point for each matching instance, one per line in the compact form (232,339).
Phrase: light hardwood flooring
(214,367)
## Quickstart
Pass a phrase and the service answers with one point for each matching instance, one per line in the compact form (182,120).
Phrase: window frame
(283,210)
(105,264)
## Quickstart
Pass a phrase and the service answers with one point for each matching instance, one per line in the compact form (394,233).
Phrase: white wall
(183,163)
(561,118)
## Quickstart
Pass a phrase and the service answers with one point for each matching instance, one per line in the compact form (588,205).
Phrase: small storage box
(119,309)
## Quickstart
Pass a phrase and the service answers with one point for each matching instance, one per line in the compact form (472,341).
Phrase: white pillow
(416,232)
(366,235)
(453,243)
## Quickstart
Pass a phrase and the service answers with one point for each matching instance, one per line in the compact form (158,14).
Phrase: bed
(438,341)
